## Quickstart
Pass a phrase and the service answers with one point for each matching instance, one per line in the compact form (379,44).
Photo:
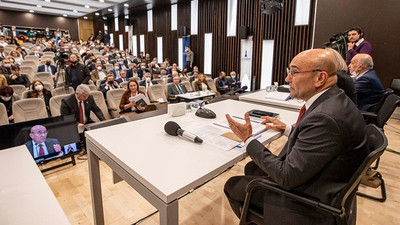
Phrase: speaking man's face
(38,134)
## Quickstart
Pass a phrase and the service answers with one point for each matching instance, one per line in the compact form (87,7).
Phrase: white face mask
(233,77)
(116,68)
(148,79)
(39,87)
(98,62)
(6,98)
(99,68)
(7,65)
(354,73)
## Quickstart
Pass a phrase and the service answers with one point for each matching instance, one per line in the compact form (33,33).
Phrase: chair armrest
(112,109)
(368,114)
(264,184)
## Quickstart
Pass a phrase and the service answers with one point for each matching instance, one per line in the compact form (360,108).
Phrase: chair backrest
(143,89)
(395,86)
(18,89)
(378,106)
(377,143)
(49,53)
(166,88)
(92,87)
(27,70)
(61,91)
(156,92)
(135,78)
(183,79)
(29,63)
(98,97)
(114,98)
(55,104)
(188,86)
(29,109)
(3,115)
(211,84)
(124,84)
(45,77)
(25,94)
(159,81)
(385,111)
(108,67)
(32,58)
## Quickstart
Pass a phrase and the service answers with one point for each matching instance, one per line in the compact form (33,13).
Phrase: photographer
(356,44)
(109,84)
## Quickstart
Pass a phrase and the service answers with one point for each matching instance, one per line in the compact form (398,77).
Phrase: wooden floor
(207,204)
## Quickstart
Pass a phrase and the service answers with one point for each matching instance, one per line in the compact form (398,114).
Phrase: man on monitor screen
(41,146)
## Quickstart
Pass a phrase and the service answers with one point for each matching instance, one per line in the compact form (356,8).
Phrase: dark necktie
(81,113)
(179,89)
(41,150)
(302,111)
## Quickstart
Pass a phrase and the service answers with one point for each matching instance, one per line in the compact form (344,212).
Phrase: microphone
(174,129)
(240,90)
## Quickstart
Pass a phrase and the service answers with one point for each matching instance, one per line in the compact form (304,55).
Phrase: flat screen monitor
(46,139)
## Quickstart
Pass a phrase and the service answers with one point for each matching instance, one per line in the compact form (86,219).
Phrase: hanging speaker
(183,31)
(128,22)
(243,32)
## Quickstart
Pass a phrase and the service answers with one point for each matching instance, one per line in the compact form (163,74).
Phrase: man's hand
(140,108)
(350,45)
(277,125)
(243,131)
(116,83)
(57,148)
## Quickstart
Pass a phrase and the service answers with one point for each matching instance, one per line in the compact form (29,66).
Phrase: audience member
(324,148)
(7,98)
(123,77)
(38,91)
(17,78)
(36,52)
(116,71)
(3,80)
(356,44)
(368,86)
(76,73)
(147,82)
(201,83)
(98,73)
(5,67)
(189,59)
(47,67)
(175,89)
(17,57)
(3,54)
(133,72)
(108,85)
(126,104)
(222,84)
(234,82)
(194,77)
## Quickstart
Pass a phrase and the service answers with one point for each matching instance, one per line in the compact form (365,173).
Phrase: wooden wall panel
(212,16)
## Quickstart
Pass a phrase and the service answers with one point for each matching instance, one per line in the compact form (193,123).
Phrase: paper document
(257,127)
(139,97)
(283,96)
(212,136)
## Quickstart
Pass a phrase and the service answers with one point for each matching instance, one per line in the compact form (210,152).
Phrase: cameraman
(356,44)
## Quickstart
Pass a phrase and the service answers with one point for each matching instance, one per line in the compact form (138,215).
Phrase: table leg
(169,214)
(95,186)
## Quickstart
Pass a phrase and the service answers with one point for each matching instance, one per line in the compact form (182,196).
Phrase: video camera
(61,58)
(339,43)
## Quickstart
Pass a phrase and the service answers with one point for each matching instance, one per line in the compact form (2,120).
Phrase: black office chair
(384,109)
(395,86)
(377,144)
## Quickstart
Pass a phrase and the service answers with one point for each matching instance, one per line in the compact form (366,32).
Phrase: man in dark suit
(47,67)
(324,148)
(47,34)
(234,81)
(123,77)
(109,84)
(80,104)
(175,89)
(369,87)
(147,82)
(36,52)
(76,73)
(40,146)
(133,72)
(222,84)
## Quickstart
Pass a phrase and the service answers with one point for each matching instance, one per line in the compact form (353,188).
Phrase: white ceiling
(59,7)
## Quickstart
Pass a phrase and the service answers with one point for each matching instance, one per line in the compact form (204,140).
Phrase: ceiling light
(65,15)
(47,0)
(110,10)
(75,11)
(85,17)
(126,5)
(101,0)
(86,6)
(39,6)
(96,14)
(31,11)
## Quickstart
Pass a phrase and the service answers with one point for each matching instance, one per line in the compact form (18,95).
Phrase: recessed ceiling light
(110,10)
(39,6)
(65,15)
(96,14)
(126,5)
(101,0)
(31,11)
(86,6)
(85,17)
(75,11)
(47,0)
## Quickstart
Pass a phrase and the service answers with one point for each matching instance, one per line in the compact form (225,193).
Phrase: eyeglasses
(291,73)
(40,133)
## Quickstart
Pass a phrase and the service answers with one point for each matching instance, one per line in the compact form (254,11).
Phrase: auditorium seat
(183,79)
(51,54)
(135,78)
(18,89)
(193,84)
(45,77)
(101,103)
(157,93)
(211,84)
(55,104)
(61,90)
(24,94)
(113,99)
(32,58)
(108,67)
(166,88)
(143,89)
(30,63)
(92,87)
(29,71)
(188,86)
(3,115)
(124,84)
(159,81)
(29,109)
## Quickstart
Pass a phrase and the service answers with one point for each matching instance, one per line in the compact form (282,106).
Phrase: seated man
(116,71)
(175,89)
(222,84)
(147,82)
(47,67)
(108,85)
(234,82)
(41,146)
(369,87)
(133,72)
(80,104)
(123,77)
(324,148)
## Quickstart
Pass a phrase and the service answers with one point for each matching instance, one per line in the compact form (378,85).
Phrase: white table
(196,95)
(162,167)
(259,97)
(25,197)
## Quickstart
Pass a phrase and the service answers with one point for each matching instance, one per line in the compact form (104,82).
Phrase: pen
(254,121)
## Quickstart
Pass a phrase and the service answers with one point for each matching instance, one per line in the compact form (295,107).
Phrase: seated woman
(18,78)
(38,91)
(201,83)
(7,98)
(17,57)
(128,106)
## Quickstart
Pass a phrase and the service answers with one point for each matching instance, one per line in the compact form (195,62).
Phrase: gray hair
(339,61)
(366,62)
(83,89)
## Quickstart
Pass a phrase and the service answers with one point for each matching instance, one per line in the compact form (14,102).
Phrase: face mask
(39,87)
(354,73)
(117,68)
(98,61)
(7,65)
(121,63)
(99,68)
(233,77)
(148,79)
(6,98)
(143,67)
(48,63)
(74,62)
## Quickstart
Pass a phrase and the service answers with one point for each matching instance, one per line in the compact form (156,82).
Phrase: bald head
(364,60)
(321,59)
